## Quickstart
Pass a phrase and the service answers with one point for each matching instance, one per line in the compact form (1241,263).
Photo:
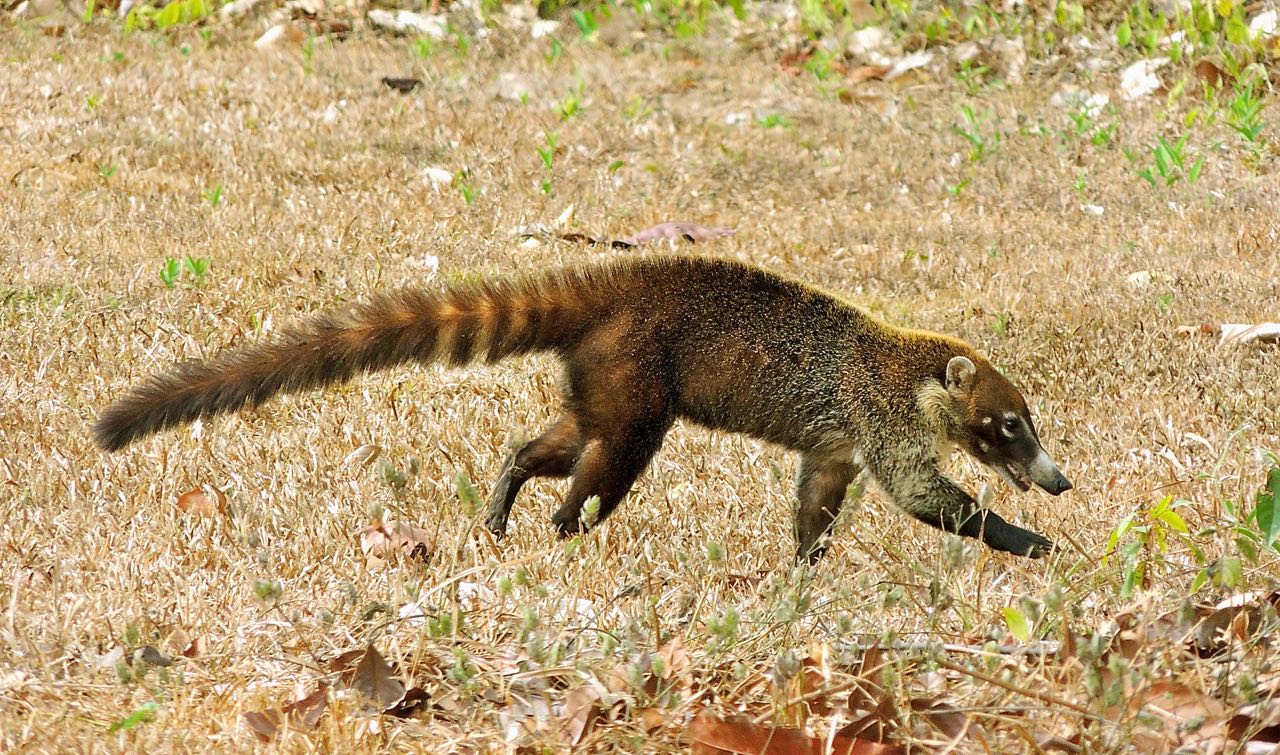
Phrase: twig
(1035,649)
(1043,697)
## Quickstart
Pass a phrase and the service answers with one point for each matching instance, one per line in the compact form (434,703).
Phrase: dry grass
(326,200)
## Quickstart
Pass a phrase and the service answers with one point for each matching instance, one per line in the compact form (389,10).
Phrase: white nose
(1044,473)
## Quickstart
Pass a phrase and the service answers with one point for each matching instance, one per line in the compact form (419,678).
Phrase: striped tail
(486,321)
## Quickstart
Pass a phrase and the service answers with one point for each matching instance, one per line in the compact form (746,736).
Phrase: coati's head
(993,425)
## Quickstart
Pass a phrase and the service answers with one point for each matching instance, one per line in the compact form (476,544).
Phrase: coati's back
(744,350)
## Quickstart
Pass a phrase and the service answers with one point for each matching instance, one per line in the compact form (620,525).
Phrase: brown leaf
(581,707)
(302,715)
(941,716)
(691,232)
(402,85)
(305,713)
(711,734)
(264,723)
(205,500)
(181,642)
(1174,704)
(1237,619)
(414,700)
(1211,74)
(652,719)
(1256,723)
(675,658)
(345,665)
(375,678)
(382,541)
(149,655)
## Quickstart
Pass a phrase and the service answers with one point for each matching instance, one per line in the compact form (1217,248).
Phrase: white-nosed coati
(646,341)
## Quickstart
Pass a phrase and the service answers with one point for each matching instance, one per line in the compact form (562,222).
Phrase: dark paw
(567,527)
(1021,542)
(497,524)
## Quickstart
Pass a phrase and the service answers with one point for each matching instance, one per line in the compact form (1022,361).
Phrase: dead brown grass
(326,200)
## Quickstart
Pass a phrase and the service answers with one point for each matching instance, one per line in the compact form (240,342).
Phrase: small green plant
(548,156)
(971,129)
(461,180)
(91,102)
(1142,541)
(267,590)
(972,75)
(308,54)
(775,120)
(954,190)
(424,47)
(171,271)
(820,64)
(1170,163)
(571,104)
(636,108)
(173,268)
(105,170)
(213,196)
(173,14)
(555,52)
(1000,325)
(585,20)
(467,493)
(1251,531)
(134,719)
(1244,115)
(197,267)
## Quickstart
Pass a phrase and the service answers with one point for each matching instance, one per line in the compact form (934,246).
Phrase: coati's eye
(1011,424)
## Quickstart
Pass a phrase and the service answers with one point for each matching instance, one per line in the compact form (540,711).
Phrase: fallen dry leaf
(415,698)
(205,500)
(941,716)
(381,541)
(1256,723)
(1214,76)
(302,715)
(581,708)
(1236,619)
(402,85)
(181,642)
(375,678)
(712,734)
(652,719)
(1173,704)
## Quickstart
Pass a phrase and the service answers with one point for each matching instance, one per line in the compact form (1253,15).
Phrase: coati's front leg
(551,454)
(935,499)
(823,484)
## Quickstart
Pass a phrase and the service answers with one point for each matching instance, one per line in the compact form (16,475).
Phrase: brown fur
(645,342)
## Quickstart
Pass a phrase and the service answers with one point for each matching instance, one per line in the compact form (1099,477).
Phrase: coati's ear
(960,376)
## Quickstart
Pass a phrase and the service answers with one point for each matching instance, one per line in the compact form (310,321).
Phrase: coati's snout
(996,429)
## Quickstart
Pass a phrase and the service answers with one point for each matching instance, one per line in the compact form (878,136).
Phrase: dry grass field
(129,624)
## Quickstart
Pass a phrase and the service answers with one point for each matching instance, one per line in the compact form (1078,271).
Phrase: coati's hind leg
(551,454)
(608,468)
(823,483)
